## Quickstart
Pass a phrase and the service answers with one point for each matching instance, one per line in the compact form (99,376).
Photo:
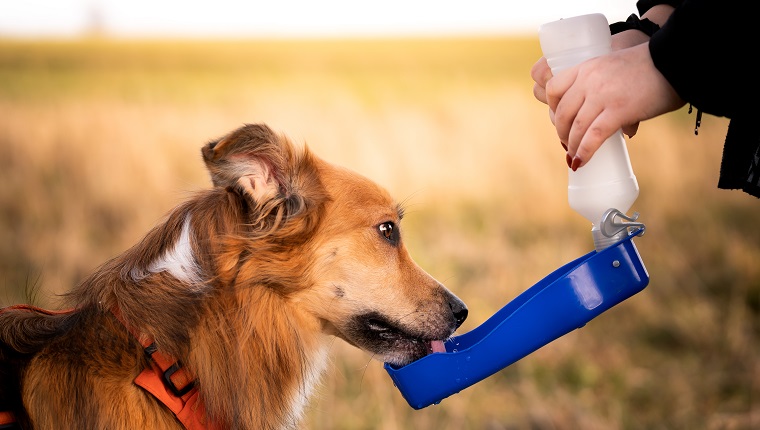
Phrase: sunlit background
(104,106)
(240,18)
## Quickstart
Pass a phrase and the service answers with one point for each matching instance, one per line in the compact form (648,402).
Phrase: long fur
(245,283)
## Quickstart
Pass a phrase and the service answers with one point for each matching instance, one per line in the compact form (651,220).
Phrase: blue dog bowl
(565,300)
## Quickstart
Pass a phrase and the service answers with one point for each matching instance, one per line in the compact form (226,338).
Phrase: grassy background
(98,139)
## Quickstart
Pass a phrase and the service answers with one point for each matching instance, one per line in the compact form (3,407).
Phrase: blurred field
(98,139)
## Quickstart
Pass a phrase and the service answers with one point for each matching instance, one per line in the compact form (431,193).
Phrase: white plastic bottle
(606,180)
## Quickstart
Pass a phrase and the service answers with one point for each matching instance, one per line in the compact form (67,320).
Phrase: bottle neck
(602,242)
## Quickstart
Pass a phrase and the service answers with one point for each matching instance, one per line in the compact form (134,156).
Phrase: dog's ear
(280,183)
(252,159)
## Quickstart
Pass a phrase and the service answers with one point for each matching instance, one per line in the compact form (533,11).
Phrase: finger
(557,86)
(598,131)
(539,93)
(565,115)
(551,118)
(587,114)
(540,72)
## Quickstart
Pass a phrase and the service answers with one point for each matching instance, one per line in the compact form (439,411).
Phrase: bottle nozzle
(610,230)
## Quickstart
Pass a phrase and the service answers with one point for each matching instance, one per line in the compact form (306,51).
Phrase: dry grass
(98,139)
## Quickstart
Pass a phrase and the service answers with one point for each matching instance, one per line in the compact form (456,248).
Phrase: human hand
(594,99)
(541,73)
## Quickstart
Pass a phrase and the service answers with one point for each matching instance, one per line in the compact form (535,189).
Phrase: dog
(226,310)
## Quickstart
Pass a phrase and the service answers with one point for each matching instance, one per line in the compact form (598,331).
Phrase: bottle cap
(567,41)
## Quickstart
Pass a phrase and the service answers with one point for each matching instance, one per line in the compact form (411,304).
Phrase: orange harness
(165,379)
(7,421)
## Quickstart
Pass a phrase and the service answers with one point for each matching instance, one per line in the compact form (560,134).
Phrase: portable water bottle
(606,181)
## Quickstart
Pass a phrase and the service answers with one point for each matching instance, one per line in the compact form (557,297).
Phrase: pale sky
(285,18)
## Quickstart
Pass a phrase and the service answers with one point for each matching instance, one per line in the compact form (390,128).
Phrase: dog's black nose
(459,310)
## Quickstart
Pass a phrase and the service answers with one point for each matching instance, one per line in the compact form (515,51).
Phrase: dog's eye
(389,231)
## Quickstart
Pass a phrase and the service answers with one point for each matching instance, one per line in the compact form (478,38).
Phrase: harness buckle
(167,377)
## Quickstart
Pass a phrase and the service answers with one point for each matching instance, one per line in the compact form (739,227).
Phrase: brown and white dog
(243,285)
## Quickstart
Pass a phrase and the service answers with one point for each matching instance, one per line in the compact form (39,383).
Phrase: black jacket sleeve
(705,50)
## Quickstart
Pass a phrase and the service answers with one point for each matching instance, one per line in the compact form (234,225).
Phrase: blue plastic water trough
(565,300)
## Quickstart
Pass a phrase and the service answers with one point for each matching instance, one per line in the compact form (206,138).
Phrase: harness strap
(8,421)
(170,383)
(166,379)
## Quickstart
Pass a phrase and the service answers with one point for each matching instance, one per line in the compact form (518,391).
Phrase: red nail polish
(563,145)
(576,163)
(569,160)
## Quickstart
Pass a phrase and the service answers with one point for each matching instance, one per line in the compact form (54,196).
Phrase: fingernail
(563,145)
(569,160)
(576,163)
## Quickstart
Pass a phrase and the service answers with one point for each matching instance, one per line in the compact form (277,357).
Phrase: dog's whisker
(364,371)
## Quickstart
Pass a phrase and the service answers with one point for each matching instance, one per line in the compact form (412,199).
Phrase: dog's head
(329,241)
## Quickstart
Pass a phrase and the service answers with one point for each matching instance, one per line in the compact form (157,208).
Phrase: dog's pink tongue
(437,346)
